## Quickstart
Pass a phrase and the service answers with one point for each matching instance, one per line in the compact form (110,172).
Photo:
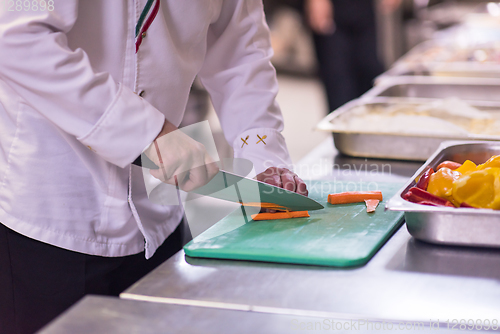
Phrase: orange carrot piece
(280,215)
(270,206)
(371,205)
(449,164)
(353,197)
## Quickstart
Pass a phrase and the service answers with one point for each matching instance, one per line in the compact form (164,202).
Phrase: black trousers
(39,281)
(347,59)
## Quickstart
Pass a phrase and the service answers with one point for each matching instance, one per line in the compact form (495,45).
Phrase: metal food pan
(458,69)
(407,64)
(452,70)
(417,62)
(383,145)
(473,90)
(451,226)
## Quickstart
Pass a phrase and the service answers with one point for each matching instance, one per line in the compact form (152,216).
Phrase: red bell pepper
(423,182)
(420,196)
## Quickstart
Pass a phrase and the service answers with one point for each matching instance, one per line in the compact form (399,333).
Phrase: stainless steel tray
(459,69)
(387,146)
(417,63)
(451,226)
(407,64)
(478,91)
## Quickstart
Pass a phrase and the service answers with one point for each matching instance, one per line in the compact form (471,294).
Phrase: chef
(85,87)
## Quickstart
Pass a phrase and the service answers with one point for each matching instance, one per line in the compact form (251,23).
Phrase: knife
(234,188)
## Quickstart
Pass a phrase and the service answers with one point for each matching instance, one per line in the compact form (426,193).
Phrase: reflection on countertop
(423,257)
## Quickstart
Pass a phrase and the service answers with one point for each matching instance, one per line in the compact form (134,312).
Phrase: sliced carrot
(270,206)
(449,164)
(371,204)
(280,215)
(353,197)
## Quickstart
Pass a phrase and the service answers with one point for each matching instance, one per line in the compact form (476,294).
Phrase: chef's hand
(283,178)
(182,160)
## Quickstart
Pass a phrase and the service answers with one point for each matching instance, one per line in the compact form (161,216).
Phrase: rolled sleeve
(127,126)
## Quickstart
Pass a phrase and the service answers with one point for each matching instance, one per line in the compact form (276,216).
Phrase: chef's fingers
(198,177)
(160,175)
(287,179)
(211,166)
(191,179)
(270,176)
(301,187)
(270,171)
(264,210)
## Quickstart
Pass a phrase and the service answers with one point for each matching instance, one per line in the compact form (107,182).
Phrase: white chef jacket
(72,120)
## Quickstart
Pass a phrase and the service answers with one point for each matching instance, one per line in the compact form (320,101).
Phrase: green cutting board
(339,235)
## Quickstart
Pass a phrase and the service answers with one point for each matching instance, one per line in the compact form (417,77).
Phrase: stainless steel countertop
(107,315)
(406,279)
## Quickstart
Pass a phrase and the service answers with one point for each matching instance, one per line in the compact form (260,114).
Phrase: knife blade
(235,188)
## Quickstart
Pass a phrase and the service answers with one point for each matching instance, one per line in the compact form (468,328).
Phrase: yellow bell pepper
(494,161)
(480,188)
(441,183)
(467,166)
(475,185)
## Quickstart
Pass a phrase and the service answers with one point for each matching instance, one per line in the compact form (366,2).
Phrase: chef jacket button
(143,35)
(142,93)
